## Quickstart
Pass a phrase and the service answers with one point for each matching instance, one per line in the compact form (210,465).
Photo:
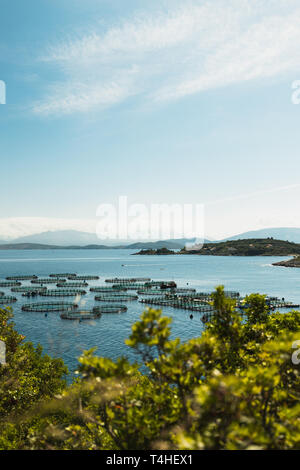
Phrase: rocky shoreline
(290,263)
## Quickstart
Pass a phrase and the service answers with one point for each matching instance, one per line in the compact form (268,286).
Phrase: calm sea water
(67,339)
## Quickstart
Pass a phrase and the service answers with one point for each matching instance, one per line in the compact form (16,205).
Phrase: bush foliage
(235,387)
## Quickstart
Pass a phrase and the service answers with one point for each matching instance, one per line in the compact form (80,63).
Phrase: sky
(169,101)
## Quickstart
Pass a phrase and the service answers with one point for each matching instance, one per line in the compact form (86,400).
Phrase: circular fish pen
(81,315)
(107,289)
(21,278)
(50,307)
(133,286)
(72,284)
(10,284)
(28,289)
(83,278)
(62,275)
(4,300)
(116,298)
(150,292)
(128,280)
(46,281)
(2,294)
(111,309)
(63,293)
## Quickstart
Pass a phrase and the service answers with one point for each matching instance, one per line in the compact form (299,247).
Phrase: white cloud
(168,55)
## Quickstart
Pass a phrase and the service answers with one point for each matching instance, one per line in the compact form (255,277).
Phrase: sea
(68,339)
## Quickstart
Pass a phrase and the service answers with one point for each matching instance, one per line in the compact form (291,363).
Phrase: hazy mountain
(73,237)
(281,233)
(63,238)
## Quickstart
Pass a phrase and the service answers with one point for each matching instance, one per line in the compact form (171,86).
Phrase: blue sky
(162,101)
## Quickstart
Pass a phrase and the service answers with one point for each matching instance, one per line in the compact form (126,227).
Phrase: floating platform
(83,278)
(4,300)
(28,289)
(111,309)
(67,285)
(117,280)
(46,281)
(116,298)
(50,307)
(10,283)
(81,315)
(108,289)
(63,293)
(21,278)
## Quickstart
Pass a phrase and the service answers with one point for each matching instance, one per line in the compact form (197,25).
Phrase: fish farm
(46,281)
(108,289)
(66,285)
(49,307)
(62,293)
(7,300)
(116,298)
(62,275)
(81,315)
(111,308)
(21,278)
(83,278)
(10,283)
(28,289)
(127,281)
(148,292)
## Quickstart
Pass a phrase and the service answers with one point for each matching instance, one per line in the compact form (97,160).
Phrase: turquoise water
(68,339)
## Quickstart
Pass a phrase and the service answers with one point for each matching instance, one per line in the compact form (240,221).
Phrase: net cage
(7,300)
(156,292)
(2,294)
(21,278)
(107,289)
(63,275)
(72,284)
(63,293)
(116,298)
(112,308)
(28,289)
(127,280)
(46,281)
(83,278)
(133,286)
(81,315)
(50,307)
(10,283)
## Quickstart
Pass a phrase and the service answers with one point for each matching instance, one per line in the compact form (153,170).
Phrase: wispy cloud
(169,55)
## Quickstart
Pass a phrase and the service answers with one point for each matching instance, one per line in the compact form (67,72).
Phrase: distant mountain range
(281,233)
(73,239)
(170,244)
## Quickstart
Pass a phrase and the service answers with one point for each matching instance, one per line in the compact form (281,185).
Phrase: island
(159,251)
(243,247)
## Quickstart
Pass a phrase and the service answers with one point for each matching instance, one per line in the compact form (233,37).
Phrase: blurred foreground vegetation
(235,387)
